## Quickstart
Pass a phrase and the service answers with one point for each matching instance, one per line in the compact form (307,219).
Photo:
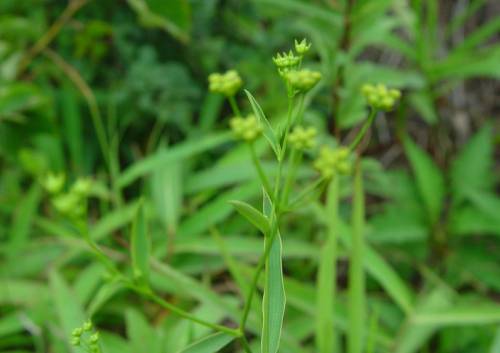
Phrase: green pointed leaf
(252,215)
(273,303)
(269,132)
(210,344)
(429,180)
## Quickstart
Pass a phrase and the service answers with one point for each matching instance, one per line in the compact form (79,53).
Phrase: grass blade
(327,274)
(357,300)
(210,344)
(274,298)
(252,215)
(140,247)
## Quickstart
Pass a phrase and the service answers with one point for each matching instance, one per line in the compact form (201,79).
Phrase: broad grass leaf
(423,104)
(458,315)
(142,336)
(210,344)
(252,215)
(429,180)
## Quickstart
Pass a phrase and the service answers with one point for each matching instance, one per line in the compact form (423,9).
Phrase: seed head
(54,183)
(303,80)
(380,97)
(303,138)
(331,162)
(227,83)
(247,129)
(302,47)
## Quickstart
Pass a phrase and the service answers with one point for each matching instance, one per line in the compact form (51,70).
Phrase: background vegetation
(117,91)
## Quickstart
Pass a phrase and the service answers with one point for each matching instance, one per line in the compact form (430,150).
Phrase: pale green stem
(306,192)
(293,164)
(363,130)
(234,105)
(326,338)
(255,279)
(357,300)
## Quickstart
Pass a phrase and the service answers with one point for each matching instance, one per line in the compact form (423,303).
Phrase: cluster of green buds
(71,203)
(380,97)
(286,62)
(247,129)
(227,83)
(303,138)
(331,162)
(86,337)
(302,80)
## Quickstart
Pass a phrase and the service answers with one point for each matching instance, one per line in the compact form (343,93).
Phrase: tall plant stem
(362,132)
(258,167)
(234,105)
(357,300)
(326,341)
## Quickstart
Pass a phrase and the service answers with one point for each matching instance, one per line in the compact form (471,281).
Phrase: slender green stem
(255,279)
(308,190)
(260,171)
(327,273)
(244,343)
(234,105)
(363,130)
(357,300)
(293,164)
(158,300)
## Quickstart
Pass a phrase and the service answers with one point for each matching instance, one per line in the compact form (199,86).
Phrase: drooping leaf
(252,215)
(210,344)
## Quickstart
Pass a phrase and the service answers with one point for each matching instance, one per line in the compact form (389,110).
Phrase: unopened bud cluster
(303,80)
(303,138)
(87,338)
(247,129)
(71,203)
(227,83)
(331,162)
(380,97)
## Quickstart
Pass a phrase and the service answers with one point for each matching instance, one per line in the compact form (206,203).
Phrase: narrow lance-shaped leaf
(210,344)
(269,132)
(252,215)
(273,303)
(140,247)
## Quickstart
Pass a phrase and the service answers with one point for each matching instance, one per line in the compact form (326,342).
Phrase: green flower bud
(94,338)
(380,97)
(227,83)
(303,80)
(75,341)
(331,162)
(247,129)
(82,186)
(303,138)
(66,203)
(87,326)
(302,47)
(286,62)
(77,332)
(54,183)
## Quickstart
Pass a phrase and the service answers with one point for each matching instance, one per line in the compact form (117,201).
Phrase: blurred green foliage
(140,67)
